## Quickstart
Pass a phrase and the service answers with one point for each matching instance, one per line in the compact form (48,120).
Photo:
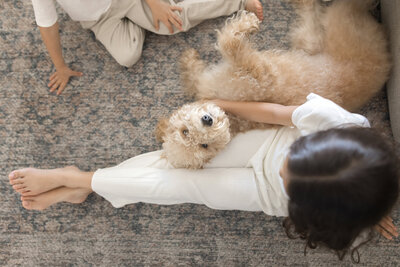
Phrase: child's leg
(225,183)
(194,12)
(32,181)
(61,194)
(217,188)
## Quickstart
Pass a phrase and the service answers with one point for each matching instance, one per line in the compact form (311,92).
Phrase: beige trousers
(121,28)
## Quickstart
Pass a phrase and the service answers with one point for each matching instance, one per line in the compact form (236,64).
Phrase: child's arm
(164,12)
(259,111)
(60,78)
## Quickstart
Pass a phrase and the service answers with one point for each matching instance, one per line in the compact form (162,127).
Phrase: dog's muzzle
(207,120)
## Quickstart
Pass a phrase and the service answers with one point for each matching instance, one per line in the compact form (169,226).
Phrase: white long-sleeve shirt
(244,176)
(315,115)
(78,10)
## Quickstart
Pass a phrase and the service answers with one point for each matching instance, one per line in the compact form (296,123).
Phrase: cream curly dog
(338,51)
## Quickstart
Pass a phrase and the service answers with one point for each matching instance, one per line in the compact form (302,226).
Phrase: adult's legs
(121,28)
(122,38)
(193,13)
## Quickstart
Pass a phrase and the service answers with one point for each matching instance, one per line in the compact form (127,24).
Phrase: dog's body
(339,52)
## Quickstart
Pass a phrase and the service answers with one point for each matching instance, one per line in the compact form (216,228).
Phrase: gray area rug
(107,116)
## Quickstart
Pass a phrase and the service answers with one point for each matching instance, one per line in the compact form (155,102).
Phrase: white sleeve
(319,114)
(45,12)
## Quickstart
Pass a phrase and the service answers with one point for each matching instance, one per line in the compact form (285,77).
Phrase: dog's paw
(244,22)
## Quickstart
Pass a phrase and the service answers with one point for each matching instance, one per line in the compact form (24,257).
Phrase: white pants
(226,183)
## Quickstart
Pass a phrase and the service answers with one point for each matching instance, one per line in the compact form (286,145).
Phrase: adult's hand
(164,12)
(60,78)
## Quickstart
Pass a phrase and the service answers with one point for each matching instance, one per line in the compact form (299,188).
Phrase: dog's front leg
(233,38)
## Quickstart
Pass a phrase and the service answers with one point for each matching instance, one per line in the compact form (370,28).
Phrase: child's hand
(60,78)
(165,13)
(386,228)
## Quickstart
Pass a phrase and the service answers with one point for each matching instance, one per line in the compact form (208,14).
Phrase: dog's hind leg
(191,67)
(308,34)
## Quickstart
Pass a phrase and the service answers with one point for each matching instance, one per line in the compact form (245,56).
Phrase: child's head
(340,182)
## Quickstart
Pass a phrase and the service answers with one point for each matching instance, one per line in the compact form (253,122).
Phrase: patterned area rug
(107,116)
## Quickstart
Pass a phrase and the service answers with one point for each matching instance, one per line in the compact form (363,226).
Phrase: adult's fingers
(61,88)
(176,8)
(53,76)
(76,73)
(52,82)
(169,26)
(176,21)
(55,86)
(173,14)
(156,24)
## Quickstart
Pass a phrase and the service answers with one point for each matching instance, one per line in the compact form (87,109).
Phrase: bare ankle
(75,178)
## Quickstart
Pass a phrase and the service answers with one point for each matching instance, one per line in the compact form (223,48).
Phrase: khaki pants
(121,28)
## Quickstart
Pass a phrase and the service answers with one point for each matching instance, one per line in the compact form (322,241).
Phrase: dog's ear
(161,129)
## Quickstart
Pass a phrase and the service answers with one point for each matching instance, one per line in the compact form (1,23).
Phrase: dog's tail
(191,67)
(354,38)
(351,32)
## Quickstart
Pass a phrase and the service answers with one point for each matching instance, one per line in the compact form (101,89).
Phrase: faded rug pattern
(108,116)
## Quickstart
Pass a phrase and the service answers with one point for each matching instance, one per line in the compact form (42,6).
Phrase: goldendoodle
(339,51)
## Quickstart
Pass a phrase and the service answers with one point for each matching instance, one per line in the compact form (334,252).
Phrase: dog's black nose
(207,120)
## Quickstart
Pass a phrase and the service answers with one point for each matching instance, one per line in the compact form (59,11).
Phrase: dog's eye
(204,145)
(185,132)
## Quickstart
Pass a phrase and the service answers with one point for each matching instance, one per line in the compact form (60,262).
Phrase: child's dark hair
(340,183)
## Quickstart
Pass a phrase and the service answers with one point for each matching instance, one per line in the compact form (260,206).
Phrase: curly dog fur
(338,51)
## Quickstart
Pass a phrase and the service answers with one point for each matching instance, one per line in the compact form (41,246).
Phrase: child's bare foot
(255,6)
(32,181)
(61,194)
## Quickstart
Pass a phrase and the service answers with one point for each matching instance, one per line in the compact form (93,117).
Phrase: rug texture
(109,115)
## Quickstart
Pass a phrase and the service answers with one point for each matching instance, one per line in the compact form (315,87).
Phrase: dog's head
(194,134)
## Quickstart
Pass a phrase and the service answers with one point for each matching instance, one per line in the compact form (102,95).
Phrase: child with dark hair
(337,181)
(340,182)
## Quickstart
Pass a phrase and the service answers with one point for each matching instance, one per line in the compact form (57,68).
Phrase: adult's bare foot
(61,194)
(33,182)
(255,6)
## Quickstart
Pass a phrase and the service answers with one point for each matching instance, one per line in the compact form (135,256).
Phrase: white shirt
(78,10)
(315,115)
